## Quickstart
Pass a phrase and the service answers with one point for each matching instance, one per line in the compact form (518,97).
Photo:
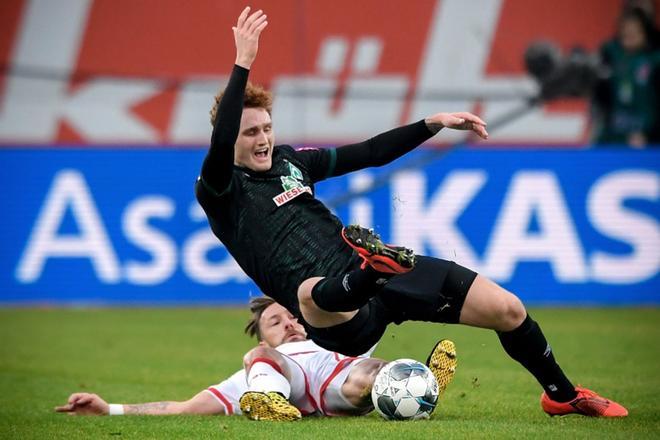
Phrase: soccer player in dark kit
(343,284)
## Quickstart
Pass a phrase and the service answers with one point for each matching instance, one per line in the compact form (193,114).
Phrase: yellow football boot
(442,363)
(268,406)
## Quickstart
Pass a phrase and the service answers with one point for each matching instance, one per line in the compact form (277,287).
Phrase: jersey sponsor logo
(291,194)
(292,184)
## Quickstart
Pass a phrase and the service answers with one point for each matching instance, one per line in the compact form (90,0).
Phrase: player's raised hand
(457,121)
(246,35)
(86,404)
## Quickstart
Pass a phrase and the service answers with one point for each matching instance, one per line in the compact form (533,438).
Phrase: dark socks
(527,345)
(349,291)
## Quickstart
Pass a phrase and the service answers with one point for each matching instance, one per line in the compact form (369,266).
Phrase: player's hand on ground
(84,404)
(246,35)
(457,121)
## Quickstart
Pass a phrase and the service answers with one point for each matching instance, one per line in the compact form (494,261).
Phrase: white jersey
(317,377)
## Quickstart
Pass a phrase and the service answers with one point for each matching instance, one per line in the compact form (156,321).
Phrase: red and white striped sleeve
(229,391)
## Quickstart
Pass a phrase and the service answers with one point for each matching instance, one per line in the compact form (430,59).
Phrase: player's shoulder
(284,150)
(284,153)
(288,149)
(288,154)
(309,157)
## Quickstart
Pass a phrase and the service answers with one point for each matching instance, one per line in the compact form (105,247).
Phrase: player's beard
(295,337)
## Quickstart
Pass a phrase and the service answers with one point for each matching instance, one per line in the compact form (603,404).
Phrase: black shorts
(433,291)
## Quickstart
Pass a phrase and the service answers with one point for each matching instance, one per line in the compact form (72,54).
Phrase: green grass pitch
(138,355)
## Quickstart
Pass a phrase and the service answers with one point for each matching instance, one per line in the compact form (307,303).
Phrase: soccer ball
(405,390)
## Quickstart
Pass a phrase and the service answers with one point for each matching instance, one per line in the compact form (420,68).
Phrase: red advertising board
(132,72)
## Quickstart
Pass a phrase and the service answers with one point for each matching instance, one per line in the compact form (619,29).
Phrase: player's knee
(261,352)
(513,313)
(305,293)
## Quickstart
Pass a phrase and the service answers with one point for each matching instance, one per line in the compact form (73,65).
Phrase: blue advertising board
(121,226)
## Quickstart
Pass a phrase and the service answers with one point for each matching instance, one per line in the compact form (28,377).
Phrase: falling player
(343,284)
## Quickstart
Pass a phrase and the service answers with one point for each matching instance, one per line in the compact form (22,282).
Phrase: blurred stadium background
(104,123)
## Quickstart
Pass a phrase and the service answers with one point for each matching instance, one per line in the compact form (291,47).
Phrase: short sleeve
(229,391)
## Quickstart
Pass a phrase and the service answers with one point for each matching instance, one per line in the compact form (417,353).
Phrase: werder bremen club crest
(292,185)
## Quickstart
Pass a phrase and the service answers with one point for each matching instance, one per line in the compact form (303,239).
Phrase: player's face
(632,35)
(254,145)
(278,326)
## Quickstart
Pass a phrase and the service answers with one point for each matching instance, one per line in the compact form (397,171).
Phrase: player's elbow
(204,403)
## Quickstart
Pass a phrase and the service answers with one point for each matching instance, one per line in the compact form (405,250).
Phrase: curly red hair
(255,97)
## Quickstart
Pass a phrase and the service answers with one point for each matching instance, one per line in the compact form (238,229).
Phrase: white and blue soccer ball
(405,389)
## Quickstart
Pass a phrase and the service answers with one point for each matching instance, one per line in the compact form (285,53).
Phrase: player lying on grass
(343,284)
(285,377)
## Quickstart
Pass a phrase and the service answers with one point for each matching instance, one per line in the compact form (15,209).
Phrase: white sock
(264,378)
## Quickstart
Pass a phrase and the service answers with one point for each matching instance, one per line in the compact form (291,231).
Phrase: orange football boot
(587,403)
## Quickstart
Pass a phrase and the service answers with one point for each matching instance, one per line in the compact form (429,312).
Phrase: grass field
(140,355)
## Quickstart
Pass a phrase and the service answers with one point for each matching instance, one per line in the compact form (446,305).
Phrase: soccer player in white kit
(315,383)
(286,376)
(314,380)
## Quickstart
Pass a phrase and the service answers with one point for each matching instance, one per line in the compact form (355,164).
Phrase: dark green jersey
(270,221)
(275,228)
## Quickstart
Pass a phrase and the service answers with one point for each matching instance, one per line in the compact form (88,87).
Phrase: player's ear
(263,344)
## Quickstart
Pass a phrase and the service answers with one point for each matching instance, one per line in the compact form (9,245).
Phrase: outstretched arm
(386,147)
(457,121)
(92,404)
(218,164)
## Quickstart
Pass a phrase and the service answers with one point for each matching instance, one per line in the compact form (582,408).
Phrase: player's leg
(266,370)
(351,334)
(269,386)
(350,291)
(442,291)
(490,306)
(312,313)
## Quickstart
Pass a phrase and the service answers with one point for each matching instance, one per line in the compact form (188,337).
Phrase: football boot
(268,406)
(442,363)
(586,403)
(381,257)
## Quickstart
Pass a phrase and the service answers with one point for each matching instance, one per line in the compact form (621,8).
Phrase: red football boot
(587,403)
(382,257)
